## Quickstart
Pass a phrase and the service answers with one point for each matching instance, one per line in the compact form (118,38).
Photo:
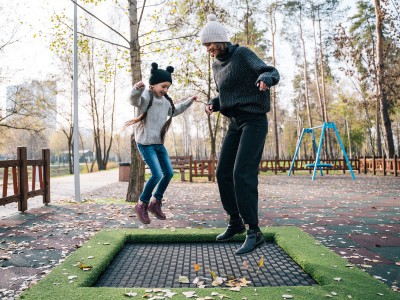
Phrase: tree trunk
(272,11)
(327,140)
(136,177)
(387,125)
(305,73)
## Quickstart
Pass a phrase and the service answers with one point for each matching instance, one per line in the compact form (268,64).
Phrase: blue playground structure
(317,165)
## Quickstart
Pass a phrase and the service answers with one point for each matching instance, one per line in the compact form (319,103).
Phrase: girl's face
(212,49)
(160,89)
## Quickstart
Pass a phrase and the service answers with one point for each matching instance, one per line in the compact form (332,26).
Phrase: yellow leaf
(261,262)
(213,275)
(196,267)
(84,267)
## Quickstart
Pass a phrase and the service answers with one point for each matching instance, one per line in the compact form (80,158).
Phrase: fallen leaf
(246,264)
(287,296)
(337,279)
(261,262)
(196,267)
(183,279)
(189,294)
(84,267)
(130,294)
(213,274)
(169,294)
(235,289)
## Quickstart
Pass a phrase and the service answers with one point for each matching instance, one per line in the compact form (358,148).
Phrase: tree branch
(170,39)
(108,26)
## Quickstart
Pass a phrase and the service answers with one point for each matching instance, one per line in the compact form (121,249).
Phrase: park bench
(182,163)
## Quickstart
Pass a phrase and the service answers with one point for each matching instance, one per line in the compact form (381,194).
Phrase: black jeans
(237,170)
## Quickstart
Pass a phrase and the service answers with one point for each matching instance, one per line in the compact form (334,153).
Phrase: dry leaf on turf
(190,294)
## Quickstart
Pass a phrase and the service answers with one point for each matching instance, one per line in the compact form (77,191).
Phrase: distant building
(35,93)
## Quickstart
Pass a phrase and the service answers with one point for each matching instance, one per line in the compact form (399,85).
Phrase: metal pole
(76,123)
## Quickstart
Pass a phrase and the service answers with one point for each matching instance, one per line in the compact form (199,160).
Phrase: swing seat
(319,166)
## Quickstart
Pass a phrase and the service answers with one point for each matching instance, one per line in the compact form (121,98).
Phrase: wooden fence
(367,165)
(207,167)
(380,165)
(20,179)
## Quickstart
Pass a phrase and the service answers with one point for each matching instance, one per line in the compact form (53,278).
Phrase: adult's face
(212,49)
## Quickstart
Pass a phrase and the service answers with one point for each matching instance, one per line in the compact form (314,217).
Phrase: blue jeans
(157,159)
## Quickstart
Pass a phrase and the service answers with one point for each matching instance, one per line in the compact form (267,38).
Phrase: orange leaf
(196,267)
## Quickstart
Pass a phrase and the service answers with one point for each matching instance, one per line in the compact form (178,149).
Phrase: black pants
(237,170)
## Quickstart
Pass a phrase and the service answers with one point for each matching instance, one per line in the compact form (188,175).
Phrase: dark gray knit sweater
(236,74)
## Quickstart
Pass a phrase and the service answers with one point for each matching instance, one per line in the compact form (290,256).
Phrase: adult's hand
(262,86)
(209,109)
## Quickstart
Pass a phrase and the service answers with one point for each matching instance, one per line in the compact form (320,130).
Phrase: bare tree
(387,125)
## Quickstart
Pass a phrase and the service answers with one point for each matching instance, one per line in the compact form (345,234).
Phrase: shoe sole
(255,248)
(228,239)
(157,216)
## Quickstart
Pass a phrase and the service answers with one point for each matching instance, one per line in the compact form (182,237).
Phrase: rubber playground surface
(357,219)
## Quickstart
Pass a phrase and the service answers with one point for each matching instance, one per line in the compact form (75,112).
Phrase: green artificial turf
(335,278)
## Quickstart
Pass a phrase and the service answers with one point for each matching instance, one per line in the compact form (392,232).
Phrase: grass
(324,266)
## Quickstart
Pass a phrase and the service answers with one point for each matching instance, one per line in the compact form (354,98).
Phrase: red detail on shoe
(155,209)
(142,214)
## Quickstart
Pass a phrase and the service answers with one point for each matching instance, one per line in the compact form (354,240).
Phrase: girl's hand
(139,85)
(194,98)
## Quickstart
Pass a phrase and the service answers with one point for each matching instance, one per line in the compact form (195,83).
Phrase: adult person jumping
(243,81)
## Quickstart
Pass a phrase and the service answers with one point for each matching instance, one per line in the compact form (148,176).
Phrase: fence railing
(21,191)
(207,167)
(380,165)
(367,165)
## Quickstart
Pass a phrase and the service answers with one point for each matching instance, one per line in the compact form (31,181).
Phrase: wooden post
(373,165)
(15,180)
(384,165)
(213,167)
(190,168)
(5,182)
(365,164)
(46,175)
(23,179)
(33,177)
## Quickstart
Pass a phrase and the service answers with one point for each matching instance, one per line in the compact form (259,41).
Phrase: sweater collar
(229,51)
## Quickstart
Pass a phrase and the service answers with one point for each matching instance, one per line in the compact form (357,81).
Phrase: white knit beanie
(213,31)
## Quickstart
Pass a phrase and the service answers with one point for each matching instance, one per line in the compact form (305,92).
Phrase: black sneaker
(234,227)
(254,239)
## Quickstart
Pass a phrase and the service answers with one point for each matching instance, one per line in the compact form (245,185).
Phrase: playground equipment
(317,164)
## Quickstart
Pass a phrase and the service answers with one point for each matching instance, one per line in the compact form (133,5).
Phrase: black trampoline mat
(159,265)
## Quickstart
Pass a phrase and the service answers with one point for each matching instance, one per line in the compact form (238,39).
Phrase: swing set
(317,164)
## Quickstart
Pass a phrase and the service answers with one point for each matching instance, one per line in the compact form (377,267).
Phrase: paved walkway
(63,188)
(358,220)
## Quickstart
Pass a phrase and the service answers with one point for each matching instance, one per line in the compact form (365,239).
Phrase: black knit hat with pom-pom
(159,75)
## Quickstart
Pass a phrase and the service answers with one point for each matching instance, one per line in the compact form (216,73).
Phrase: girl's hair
(165,127)
(142,118)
